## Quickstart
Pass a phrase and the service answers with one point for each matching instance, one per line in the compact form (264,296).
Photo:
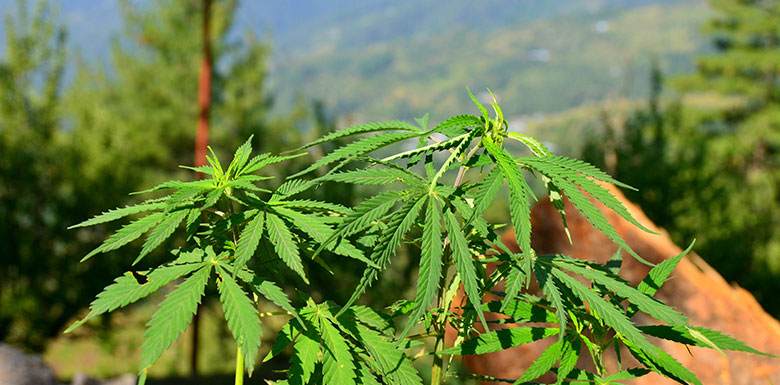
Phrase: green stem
(239,367)
(438,369)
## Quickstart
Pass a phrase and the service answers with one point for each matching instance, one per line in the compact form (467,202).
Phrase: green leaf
(544,275)
(368,211)
(486,192)
(337,365)
(173,316)
(464,263)
(131,287)
(520,311)
(373,176)
(543,364)
(114,214)
(320,232)
(249,240)
(161,232)
(628,374)
(606,311)
(313,205)
(362,129)
(644,302)
(589,210)
(429,148)
(359,148)
(127,234)
(242,318)
(386,359)
(519,207)
(269,290)
(663,363)
(282,239)
(500,339)
(571,353)
(400,223)
(659,274)
(264,160)
(240,157)
(457,125)
(306,353)
(682,335)
(479,105)
(430,264)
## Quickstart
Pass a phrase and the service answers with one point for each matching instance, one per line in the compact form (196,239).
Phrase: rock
(696,290)
(16,368)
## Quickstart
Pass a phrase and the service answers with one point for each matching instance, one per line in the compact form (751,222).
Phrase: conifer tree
(713,173)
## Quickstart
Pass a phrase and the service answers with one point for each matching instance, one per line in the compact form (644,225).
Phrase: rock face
(696,290)
(16,368)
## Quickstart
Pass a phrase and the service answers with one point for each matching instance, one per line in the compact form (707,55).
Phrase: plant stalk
(239,367)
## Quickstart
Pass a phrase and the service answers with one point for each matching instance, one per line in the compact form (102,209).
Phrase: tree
(711,165)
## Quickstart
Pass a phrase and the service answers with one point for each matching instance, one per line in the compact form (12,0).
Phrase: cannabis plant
(240,236)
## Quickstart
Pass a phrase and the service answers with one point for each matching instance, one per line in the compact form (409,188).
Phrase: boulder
(17,368)
(696,290)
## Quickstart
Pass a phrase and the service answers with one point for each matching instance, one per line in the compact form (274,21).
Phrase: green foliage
(250,237)
(709,163)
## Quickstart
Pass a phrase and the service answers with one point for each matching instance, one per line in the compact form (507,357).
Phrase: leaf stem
(239,367)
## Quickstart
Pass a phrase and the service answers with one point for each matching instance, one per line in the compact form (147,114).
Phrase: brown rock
(696,290)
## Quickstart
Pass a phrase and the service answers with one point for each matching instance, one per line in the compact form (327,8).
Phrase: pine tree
(713,173)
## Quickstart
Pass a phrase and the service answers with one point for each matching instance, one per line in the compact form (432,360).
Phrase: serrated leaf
(644,302)
(464,263)
(386,359)
(127,289)
(543,363)
(400,223)
(682,335)
(337,365)
(368,211)
(500,339)
(457,125)
(173,316)
(127,234)
(372,176)
(359,148)
(571,353)
(428,149)
(313,205)
(606,311)
(284,245)
(270,291)
(553,294)
(430,264)
(240,157)
(306,351)
(242,319)
(661,362)
(249,240)
(320,232)
(659,274)
(161,232)
(261,161)
(119,213)
(520,311)
(362,129)
(519,207)
(486,192)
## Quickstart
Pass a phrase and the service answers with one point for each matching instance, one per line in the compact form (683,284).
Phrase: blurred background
(680,98)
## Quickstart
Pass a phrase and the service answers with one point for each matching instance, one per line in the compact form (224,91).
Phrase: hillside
(402,58)
(554,62)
